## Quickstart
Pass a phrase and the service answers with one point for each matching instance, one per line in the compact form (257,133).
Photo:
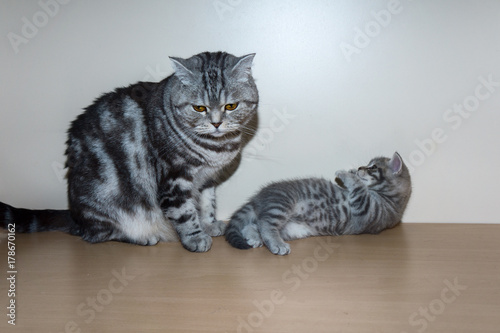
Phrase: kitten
(367,200)
(143,161)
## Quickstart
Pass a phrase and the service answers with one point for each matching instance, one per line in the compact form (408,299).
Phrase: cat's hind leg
(242,232)
(251,234)
(143,227)
(146,226)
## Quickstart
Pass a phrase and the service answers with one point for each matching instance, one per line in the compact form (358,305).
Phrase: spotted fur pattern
(367,200)
(143,161)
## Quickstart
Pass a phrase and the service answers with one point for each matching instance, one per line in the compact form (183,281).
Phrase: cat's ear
(396,164)
(243,68)
(181,70)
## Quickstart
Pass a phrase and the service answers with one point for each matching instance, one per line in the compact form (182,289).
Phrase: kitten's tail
(242,222)
(27,220)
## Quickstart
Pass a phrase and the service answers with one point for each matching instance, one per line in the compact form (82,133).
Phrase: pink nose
(216,125)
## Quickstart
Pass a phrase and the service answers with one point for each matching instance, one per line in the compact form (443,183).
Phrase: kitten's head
(214,93)
(383,173)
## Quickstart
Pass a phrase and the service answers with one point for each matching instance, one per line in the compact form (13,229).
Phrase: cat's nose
(216,125)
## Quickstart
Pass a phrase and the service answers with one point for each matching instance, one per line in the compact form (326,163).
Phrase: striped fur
(367,200)
(143,161)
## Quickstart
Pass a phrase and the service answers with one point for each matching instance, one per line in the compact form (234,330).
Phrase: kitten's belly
(294,230)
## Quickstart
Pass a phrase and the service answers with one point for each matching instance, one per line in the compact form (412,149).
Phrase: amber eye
(231,107)
(199,108)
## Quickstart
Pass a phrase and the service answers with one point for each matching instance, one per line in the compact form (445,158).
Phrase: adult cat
(367,200)
(143,161)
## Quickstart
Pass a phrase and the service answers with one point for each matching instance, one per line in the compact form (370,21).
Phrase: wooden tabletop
(413,278)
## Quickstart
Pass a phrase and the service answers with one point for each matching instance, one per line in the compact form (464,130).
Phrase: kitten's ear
(243,67)
(181,70)
(396,164)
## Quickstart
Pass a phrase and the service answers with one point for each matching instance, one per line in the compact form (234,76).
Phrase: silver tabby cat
(143,161)
(367,200)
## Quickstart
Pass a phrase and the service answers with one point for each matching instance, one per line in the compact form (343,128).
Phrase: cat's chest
(199,172)
(203,174)
(214,160)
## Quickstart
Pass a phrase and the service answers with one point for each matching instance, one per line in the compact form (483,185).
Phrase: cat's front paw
(216,228)
(279,248)
(340,177)
(340,173)
(253,242)
(345,173)
(345,178)
(197,243)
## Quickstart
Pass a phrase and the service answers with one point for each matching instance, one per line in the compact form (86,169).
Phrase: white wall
(340,82)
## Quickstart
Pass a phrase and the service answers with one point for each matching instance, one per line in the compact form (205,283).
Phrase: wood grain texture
(413,278)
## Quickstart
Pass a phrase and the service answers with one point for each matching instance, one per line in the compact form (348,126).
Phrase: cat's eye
(372,167)
(230,107)
(199,108)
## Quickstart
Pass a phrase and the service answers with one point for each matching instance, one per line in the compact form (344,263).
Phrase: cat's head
(214,93)
(384,172)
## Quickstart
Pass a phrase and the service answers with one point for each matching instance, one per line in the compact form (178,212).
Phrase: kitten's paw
(216,228)
(143,241)
(341,173)
(340,177)
(279,249)
(197,243)
(253,242)
(345,178)
(152,241)
(251,235)
(339,182)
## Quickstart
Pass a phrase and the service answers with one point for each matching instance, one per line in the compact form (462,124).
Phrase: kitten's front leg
(208,221)
(271,237)
(183,214)
(348,178)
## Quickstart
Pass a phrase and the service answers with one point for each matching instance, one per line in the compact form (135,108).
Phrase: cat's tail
(241,231)
(26,220)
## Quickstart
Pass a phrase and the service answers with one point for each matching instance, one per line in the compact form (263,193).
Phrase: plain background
(340,82)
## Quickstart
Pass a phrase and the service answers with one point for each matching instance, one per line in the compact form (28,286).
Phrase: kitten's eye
(199,108)
(372,167)
(231,107)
